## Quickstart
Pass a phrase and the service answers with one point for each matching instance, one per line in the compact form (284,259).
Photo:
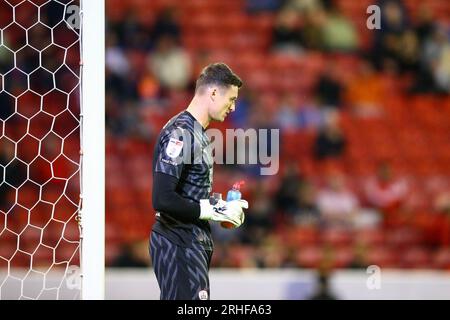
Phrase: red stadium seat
(302,236)
(310,256)
(382,256)
(336,237)
(416,257)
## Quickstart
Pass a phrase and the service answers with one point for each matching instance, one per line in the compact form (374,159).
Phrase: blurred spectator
(312,30)
(329,88)
(408,53)
(287,33)
(425,24)
(14,173)
(170,64)
(339,33)
(271,254)
(255,6)
(239,118)
(133,255)
(6,155)
(360,258)
(302,5)
(51,13)
(337,204)
(166,24)
(330,141)
(288,117)
(259,218)
(442,205)
(393,24)
(364,93)
(115,58)
(323,291)
(7,106)
(122,86)
(385,192)
(148,88)
(131,34)
(294,115)
(442,202)
(311,117)
(306,211)
(437,58)
(424,29)
(286,196)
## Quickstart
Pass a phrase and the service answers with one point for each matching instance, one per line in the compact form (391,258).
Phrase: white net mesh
(39,150)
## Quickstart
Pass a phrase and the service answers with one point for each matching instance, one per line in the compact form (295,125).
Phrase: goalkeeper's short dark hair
(217,74)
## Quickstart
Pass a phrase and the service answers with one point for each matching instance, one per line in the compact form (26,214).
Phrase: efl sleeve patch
(174,148)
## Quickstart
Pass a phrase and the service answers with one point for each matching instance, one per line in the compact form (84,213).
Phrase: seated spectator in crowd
(359,260)
(385,192)
(339,34)
(288,115)
(312,29)
(166,24)
(259,219)
(425,24)
(7,105)
(287,35)
(437,58)
(133,255)
(255,6)
(6,156)
(14,172)
(394,22)
(442,206)
(424,30)
(286,195)
(329,88)
(271,254)
(311,115)
(323,290)
(170,64)
(364,93)
(330,141)
(132,34)
(239,118)
(306,211)
(116,60)
(408,54)
(337,204)
(302,5)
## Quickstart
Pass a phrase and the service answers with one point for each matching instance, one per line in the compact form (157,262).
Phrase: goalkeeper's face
(224,102)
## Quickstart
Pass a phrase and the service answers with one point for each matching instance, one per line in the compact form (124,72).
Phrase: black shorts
(182,273)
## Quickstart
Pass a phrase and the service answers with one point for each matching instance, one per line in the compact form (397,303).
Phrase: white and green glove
(222,211)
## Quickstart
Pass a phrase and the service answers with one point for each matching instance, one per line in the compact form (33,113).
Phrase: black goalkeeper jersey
(183,150)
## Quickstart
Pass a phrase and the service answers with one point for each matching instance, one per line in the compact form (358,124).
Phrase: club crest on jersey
(174,147)
(203,295)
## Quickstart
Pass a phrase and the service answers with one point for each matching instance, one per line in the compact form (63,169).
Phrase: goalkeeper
(181,246)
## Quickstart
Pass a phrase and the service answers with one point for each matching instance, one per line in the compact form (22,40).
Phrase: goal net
(40,126)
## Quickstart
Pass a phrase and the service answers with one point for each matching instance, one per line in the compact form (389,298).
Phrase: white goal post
(93,149)
(52,149)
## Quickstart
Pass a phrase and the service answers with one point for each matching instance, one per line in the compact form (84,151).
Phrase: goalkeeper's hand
(222,211)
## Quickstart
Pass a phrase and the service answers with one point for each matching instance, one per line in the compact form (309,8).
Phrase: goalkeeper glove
(224,212)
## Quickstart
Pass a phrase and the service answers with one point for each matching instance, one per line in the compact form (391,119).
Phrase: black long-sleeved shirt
(182,176)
